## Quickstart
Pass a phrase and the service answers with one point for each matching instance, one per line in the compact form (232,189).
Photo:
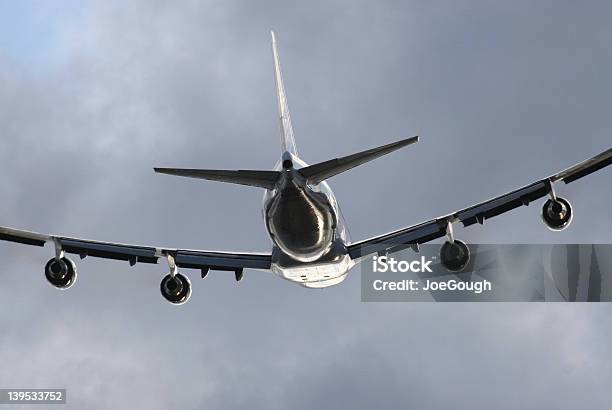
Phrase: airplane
(311,245)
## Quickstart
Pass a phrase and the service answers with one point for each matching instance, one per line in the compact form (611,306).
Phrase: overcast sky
(93,95)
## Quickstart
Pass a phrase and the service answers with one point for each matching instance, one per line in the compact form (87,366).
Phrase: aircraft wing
(436,228)
(194,259)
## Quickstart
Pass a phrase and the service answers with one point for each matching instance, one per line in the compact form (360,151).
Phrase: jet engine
(455,255)
(61,272)
(176,288)
(557,213)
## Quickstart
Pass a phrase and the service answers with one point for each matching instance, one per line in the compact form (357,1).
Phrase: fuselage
(306,228)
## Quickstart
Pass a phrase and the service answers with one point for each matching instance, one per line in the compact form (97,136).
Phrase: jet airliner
(310,243)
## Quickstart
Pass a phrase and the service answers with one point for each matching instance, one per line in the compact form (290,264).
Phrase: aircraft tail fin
(286,128)
(261,179)
(327,169)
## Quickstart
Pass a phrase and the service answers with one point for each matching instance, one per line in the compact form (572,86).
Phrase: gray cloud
(501,94)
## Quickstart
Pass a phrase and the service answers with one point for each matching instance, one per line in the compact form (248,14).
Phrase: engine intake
(177,289)
(61,273)
(557,214)
(455,255)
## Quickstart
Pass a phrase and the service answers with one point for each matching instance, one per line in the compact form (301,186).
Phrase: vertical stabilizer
(286,129)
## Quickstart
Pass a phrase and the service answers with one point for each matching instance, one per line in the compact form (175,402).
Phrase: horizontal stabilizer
(261,179)
(323,170)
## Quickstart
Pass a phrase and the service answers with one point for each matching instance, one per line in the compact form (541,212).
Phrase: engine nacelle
(454,256)
(557,214)
(177,289)
(61,273)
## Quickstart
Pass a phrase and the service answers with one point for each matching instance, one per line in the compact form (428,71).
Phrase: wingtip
(273,35)
(410,140)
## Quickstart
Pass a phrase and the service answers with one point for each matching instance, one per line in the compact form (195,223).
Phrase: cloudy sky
(93,95)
